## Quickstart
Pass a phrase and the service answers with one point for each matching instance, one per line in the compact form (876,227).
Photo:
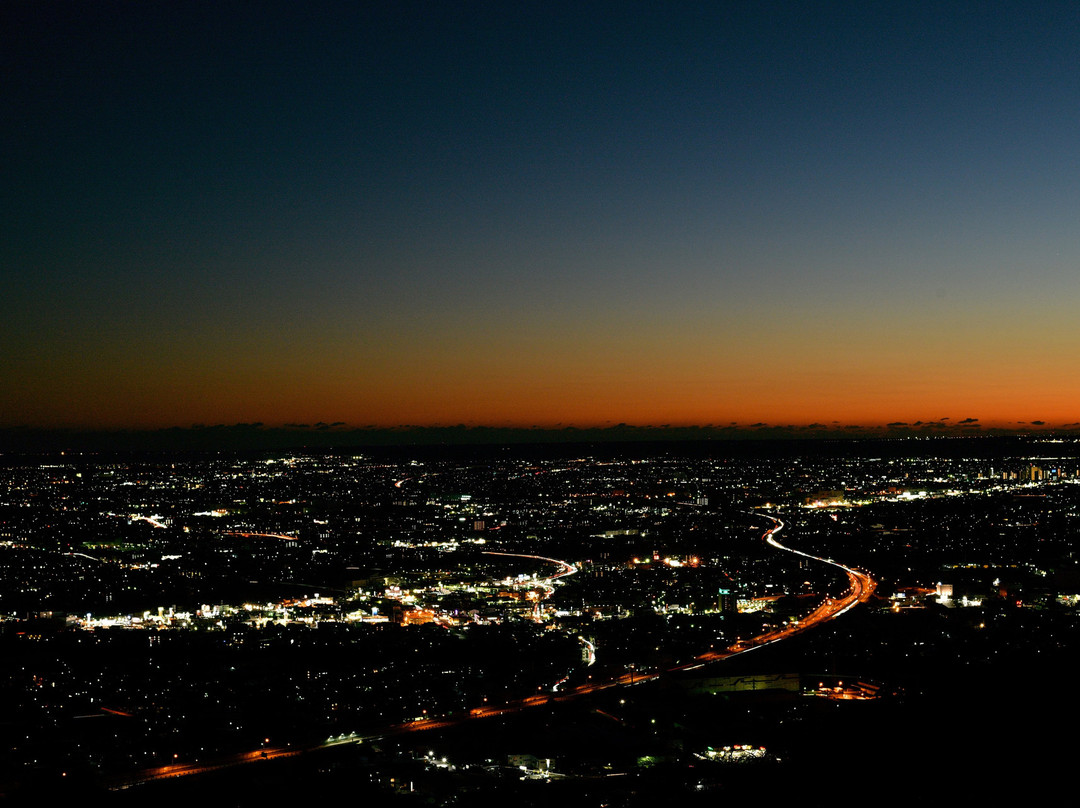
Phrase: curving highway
(860,587)
(861,584)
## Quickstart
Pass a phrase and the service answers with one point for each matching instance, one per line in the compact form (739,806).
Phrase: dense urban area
(596,624)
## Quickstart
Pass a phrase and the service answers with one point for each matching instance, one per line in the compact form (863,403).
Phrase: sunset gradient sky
(539,214)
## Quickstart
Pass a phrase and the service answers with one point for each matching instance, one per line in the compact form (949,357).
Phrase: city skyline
(540,217)
(549,624)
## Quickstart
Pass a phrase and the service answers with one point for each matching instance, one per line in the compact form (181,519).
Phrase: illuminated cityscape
(539,403)
(495,622)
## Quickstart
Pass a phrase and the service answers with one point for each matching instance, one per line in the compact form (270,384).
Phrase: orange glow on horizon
(747,370)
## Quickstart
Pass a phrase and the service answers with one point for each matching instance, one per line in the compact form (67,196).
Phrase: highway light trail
(246,535)
(545,583)
(568,568)
(860,589)
(862,585)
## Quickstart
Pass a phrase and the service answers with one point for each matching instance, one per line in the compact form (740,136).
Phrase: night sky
(516,214)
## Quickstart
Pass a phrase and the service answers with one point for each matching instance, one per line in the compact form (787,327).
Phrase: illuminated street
(860,589)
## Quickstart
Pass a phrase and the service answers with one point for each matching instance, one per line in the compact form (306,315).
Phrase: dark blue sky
(539,213)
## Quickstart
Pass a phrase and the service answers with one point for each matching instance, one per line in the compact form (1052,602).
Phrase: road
(568,568)
(260,535)
(860,588)
(544,583)
(861,585)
